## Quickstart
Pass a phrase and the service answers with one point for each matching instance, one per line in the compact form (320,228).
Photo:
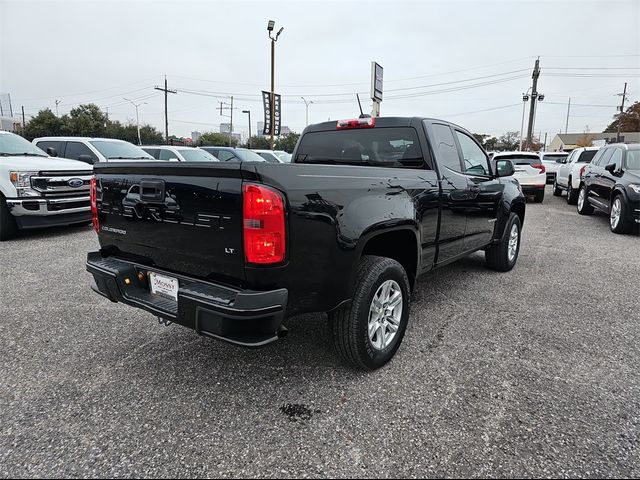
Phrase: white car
(529,171)
(274,156)
(569,176)
(552,162)
(179,154)
(37,190)
(91,150)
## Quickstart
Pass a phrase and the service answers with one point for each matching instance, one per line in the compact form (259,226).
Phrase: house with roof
(568,141)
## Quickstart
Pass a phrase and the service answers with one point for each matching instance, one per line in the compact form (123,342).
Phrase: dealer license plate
(162,285)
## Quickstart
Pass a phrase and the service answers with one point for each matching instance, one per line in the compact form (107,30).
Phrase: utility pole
(532,108)
(248,112)
(566,126)
(23,122)
(525,99)
(137,118)
(624,96)
(231,121)
(306,107)
(544,147)
(230,108)
(57,102)
(270,26)
(11,109)
(166,118)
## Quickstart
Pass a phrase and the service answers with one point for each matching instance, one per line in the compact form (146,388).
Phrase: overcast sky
(468,62)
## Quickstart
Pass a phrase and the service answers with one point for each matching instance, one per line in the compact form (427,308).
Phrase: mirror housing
(504,168)
(86,159)
(52,152)
(612,167)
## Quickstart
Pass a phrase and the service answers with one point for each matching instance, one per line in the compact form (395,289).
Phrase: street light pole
(270,27)
(137,118)
(306,108)
(249,113)
(525,98)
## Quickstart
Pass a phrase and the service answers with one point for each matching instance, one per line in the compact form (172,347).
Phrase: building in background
(10,124)
(284,130)
(195,136)
(569,141)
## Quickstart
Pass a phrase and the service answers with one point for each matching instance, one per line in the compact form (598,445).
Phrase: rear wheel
(557,191)
(503,255)
(539,196)
(584,207)
(572,195)
(618,216)
(8,227)
(368,331)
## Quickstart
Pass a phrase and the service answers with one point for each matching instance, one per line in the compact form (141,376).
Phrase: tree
(490,143)
(219,139)
(44,124)
(287,142)
(585,140)
(259,142)
(86,121)
(629,121)
(509,141)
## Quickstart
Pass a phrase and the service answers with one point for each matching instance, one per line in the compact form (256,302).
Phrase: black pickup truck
(366,206)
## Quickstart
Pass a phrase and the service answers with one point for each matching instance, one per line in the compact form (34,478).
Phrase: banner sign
(266,100)
(376,82)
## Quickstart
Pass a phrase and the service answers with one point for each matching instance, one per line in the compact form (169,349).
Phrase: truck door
(483,195)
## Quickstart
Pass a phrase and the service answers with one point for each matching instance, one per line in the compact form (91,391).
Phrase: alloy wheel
(385,314)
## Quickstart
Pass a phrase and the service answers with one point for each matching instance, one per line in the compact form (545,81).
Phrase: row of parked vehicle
(93,150)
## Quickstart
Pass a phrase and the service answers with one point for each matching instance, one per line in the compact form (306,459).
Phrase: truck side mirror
(52,152)
(504,168)
(86,159)
(612,167)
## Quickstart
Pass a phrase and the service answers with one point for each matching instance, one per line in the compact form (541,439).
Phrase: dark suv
(611,183)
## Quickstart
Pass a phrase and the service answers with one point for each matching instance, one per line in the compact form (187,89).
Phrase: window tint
(554,157)
(602,157)
(226,155)
(154,152)
(53,144)
(445,147)
(378,146)
(616,158)
(197,155)
(521,159)
(75,149)
(633,160)
(587,156)
(166,154)
(474,158)
(118,150)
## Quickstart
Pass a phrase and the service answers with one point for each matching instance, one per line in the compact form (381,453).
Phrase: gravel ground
(535,372)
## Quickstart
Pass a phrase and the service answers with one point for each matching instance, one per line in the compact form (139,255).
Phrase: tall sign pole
(534,98)
(376,88)
(624,96)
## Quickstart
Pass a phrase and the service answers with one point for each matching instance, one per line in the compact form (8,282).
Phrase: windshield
(120,150)
(284,156)
(586,156)
(520,159)
(633,160)
(384,147)
(197,155)
(247,155)
(554,157)
(11,144)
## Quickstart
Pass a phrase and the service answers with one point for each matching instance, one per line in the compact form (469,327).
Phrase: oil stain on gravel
(298,411)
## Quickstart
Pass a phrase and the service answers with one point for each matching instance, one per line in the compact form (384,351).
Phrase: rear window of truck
(520,159)
(382,147)
(586,156)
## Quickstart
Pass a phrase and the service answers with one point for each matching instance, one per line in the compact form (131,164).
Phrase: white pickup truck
(37,190)
(569,175)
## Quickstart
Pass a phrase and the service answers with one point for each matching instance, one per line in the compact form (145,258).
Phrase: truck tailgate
(177,217)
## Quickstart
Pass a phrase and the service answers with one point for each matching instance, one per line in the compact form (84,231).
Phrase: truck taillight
(263,217)
(582,171)
(540,167)
(367,122)
(94,205)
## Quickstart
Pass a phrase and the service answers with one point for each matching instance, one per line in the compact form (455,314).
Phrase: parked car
(37,190)
(268,155)
(284,156)
(611,183)
(91,150)
(179,154)
(529,171)
(233,154)
(552,162)
(570,172)
(366,207)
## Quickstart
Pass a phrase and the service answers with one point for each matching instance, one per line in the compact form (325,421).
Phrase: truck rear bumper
(242,317)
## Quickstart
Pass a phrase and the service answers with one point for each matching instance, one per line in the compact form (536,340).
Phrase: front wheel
(557,191)
(618,216)
(584,207)
(368,332)
(503,255)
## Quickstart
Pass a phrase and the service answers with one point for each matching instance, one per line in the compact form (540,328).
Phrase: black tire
(557,191)
(538,197)
(623,225)
(349,324)
(572,195)
(497,256)
(584,207)
(8,227)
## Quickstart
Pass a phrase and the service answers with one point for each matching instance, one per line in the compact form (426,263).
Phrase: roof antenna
(362,114)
